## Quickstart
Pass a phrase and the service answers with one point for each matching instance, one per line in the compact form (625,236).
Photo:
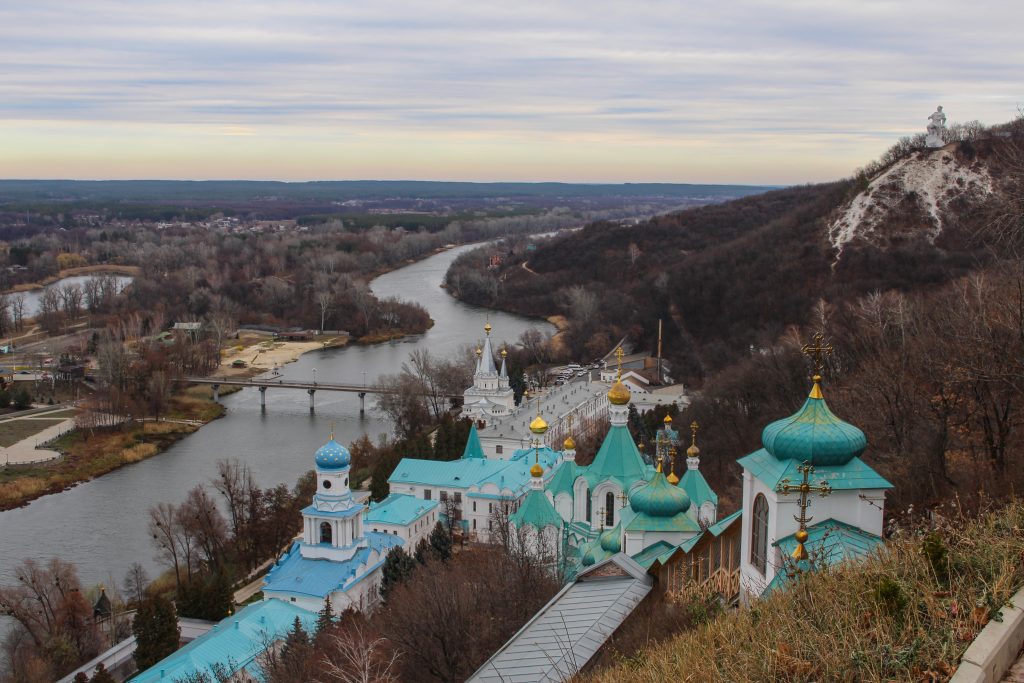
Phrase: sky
(722,91)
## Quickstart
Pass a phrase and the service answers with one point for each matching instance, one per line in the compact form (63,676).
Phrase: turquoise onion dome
(814,434)
(332,456)
(658,498)
(610,540)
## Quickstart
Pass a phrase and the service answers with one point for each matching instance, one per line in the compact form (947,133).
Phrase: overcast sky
(781,91)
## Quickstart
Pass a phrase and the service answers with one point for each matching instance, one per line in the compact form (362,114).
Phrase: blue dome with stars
(332,456)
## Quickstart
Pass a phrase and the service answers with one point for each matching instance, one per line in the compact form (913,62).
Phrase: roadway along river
(100,525)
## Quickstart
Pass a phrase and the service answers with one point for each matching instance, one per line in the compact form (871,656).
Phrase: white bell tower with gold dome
(490,396)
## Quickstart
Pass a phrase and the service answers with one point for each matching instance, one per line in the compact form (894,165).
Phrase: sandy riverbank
(261,354)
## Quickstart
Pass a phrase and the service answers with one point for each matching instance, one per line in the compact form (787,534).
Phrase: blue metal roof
(854,474)
(473,447)
(317,578)
(238,639)
(332,456)
(450,473)
(399,508)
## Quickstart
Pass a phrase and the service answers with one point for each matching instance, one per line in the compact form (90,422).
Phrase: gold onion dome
(536,470)
(693,451)
(619,394)
(569,444)
(668,419)
(538,426)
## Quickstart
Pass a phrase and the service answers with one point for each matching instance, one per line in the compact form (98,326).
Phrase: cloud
(817,76)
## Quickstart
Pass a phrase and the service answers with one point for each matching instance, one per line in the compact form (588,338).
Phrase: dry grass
(13,431)
(17,490)
(907,614)
(138,452)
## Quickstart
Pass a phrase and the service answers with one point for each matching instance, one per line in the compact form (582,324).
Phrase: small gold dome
(478,352)
(538,426)
(693,451)
(504,353)
(668,419)
(569,444)
(536,470)
(619,394)
(487,328)
(672,478)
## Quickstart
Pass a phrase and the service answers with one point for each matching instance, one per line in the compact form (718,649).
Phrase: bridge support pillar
(362,403)
(263,398)
(312,406)
(216,393)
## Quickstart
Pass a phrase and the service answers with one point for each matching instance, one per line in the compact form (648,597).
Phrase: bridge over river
(310,387)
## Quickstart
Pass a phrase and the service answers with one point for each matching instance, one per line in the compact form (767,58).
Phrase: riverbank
(90,453)
(104,269)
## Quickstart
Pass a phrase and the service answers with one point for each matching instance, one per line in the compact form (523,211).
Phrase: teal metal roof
(453,473)
(814,434)
(563,479)
(721,525)
(829,542)
(239,639)
(399,508)
(646,557)
(853,474)
(697,488)
(611,539)
(618,458)
(473,448)
(536,511)
(680,522)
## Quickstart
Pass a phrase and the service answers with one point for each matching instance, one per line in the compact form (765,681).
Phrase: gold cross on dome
(817,350)
(600,514)
(693,432)
(805,488)
(619,353)
(623,499)
(332,430)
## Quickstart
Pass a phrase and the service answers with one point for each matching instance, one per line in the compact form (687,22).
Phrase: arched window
(590,504)
(609,509)
(759,534)
(325,532)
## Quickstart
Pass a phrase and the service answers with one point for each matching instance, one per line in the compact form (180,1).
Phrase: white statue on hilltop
(936,127)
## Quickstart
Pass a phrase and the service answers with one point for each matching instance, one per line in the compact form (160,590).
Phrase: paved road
(25,451)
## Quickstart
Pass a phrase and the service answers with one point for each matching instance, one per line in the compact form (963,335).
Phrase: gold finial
(804,488)
(659,466)
(672,478)
(619,353)
(487,326)
(817,350)
(479,352)
(600,514)
(332,430)
(694,426)
(504,353)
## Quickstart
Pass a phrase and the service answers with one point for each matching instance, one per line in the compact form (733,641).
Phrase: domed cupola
(611,540)
(814,434)
(658,498)
(332,456)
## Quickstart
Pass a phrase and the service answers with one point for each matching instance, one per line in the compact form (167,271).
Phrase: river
(100,525)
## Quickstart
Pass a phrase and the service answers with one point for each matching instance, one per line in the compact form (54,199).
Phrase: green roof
(814,434)
(536,511)
(400,509)
(829,542)
(618,458)
(473,448)
(696,487)
(721,525)
(658,498)
(641,521)
(852,475)
(646,557)
(563,479)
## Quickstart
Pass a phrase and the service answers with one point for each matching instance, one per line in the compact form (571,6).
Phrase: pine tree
(325,617)
(296,647)
(423,551)
(156,631)
(397,566)
(80,678)
(379,487)
(101,675)
(441,543)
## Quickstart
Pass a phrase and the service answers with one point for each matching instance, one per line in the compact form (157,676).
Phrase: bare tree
(18,311)
(352,656)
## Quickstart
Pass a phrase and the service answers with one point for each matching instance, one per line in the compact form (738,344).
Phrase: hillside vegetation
(906,614)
